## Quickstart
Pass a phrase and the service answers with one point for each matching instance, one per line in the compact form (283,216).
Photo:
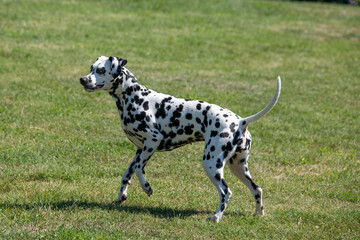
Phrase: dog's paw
(213,219)
(147,189)
(149,192)
(259,213)
(121,199)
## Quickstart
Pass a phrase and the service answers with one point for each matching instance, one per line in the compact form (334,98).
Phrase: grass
(62,151)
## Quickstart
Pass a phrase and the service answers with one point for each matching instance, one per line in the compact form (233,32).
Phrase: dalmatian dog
(159,122)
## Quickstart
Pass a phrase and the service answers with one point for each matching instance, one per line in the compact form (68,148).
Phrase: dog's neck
(123,87)
(122,82)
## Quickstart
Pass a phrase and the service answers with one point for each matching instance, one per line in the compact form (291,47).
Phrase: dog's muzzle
(86,82)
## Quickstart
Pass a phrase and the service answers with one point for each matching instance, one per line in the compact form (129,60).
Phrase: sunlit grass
(62,151)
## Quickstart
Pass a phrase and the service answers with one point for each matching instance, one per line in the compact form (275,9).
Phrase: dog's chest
(132,120)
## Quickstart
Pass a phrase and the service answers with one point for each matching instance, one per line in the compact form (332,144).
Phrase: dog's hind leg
(217,178)
(239,167)
(214,168)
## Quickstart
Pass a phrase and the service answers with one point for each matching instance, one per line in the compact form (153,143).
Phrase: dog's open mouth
(93,88)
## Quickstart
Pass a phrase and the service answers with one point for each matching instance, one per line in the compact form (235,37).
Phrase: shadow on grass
(160,212)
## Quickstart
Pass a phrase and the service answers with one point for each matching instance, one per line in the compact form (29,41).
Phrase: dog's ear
(122,62)
(117,65)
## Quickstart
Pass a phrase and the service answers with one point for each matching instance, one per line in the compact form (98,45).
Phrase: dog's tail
(246,121)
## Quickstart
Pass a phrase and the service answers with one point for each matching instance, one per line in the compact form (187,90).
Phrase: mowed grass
(62,151)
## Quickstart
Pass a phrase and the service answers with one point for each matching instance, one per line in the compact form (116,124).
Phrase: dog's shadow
(160,212)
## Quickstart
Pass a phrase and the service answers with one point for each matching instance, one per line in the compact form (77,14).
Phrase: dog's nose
(83,80)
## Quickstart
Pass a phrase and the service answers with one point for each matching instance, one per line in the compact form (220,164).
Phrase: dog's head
(103,73)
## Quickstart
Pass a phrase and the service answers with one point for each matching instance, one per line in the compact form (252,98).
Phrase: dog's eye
(100,70)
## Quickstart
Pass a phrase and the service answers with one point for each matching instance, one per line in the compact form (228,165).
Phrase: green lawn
(62,151)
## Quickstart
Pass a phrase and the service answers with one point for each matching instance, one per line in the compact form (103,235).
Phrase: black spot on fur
(176,114)
(214,133)
(143,126)
(224,134)
(138,100)
(199,136)
(160,113)
(254,186)
(222,207)
(232,127)
(236,138)
(168,144)
(224,183)
(174,122)
(129,90)
(172,134)
(139,117)
(189,129)
(146,105)
(205,117)
(217,177)
(247,144)
(227,147)
(161,108)
(145,93)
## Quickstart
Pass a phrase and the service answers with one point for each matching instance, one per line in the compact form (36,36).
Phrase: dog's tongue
(99,86)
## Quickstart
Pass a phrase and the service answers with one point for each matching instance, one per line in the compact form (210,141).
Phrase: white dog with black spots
(159,122)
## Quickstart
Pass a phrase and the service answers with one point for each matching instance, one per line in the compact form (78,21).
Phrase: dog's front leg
(150,145)
(125,180)
(139,170)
